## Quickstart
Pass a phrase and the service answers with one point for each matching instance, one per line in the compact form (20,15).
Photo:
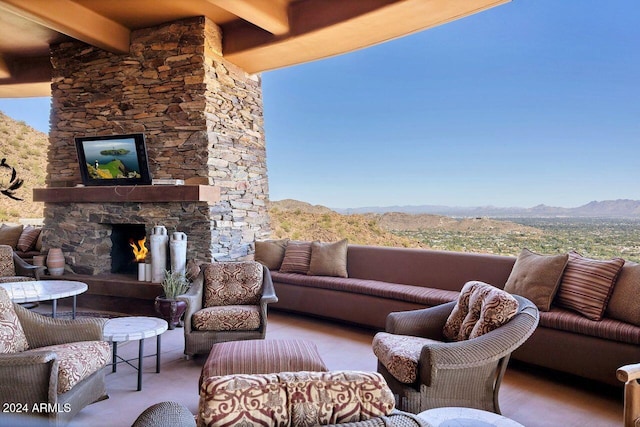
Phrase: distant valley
(621,208)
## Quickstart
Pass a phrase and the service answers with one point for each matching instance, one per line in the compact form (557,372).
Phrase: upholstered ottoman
(261,357)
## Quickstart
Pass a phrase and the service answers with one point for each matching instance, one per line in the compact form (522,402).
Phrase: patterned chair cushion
(78,360)
(400,354)
(232,283)
(227,318)
(293,399)
(7,268)
(481,308)
(12,337)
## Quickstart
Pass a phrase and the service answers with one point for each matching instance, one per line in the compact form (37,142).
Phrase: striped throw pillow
(297,257)
(28,238)
(587,284)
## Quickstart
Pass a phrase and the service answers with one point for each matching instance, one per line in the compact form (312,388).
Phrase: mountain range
(621,208)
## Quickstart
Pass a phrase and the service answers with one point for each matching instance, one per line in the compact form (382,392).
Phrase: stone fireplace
(202,119)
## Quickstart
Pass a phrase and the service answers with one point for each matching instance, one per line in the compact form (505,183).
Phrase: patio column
(203,122)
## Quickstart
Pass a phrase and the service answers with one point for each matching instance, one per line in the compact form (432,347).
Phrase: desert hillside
(302,221)
(25,149)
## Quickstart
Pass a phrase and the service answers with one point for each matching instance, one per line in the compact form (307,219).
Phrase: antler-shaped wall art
(9,189)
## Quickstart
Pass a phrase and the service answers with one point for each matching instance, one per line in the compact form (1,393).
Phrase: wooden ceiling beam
(391,19)
(270,15)
(74,20)
(5,73)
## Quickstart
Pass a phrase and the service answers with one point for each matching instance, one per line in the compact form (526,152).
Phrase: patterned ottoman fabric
(293,399)
(262,357)
(399,354)
(227,318)
(78,360)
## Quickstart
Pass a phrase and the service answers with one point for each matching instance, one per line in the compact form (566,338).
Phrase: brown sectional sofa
(383,279)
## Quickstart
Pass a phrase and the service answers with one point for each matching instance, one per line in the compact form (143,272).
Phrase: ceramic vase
(55,262)
(170,310)
(159,243)
(178,247)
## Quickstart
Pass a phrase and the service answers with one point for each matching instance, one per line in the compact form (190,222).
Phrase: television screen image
(113,160)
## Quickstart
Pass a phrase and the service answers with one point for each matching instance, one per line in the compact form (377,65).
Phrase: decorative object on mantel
(159,242)
(55,262)
(178,246)
(167,307)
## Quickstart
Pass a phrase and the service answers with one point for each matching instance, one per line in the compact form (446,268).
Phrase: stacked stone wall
(202,119)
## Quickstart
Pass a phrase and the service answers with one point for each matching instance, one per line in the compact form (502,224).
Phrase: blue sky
(532,102)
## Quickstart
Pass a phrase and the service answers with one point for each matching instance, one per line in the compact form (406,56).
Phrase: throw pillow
(480,309)
(271,252)
(28,238)
(537,277)
(297,257)
(12,337)
(587,284)
(329,259)
(622,305)
(10,234)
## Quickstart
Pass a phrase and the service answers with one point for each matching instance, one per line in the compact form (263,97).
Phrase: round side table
(465,417)
(121,329)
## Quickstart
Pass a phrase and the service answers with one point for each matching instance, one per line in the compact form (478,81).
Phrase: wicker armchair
(41,374)
(463,373)
(226,302)
(15,269)
(630,374)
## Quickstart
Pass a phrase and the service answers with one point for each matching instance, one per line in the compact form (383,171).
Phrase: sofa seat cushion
(294,399)
(227,318)
(415,294)
(78,360)
(400,354)
(570,321)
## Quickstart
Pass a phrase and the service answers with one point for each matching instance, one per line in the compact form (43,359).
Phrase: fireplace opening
(124,237)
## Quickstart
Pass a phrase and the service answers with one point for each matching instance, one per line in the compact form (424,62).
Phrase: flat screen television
(113,159)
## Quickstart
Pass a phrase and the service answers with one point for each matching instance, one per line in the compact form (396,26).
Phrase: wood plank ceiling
(258,35)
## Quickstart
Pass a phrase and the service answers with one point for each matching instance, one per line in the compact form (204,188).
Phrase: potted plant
(166,305)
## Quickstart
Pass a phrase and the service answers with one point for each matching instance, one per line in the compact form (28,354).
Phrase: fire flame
(140,251)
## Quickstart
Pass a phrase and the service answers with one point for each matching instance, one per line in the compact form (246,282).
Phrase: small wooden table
(45,290)
(121,329)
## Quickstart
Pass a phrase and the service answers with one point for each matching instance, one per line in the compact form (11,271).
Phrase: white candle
(142,272)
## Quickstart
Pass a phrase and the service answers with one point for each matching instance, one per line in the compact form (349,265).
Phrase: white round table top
(465,417)
(133,328)
(43,290)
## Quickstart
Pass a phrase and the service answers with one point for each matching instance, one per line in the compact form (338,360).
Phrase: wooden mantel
(126,193)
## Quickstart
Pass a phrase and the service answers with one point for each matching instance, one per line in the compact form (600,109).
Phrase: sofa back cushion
(624,304)
(537,277)
(294,399)
(271,252)
(10,234)
(28,238)
(328,259)
(297,257)
(587,284)
(12,337)
(232,283)
(480,308)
